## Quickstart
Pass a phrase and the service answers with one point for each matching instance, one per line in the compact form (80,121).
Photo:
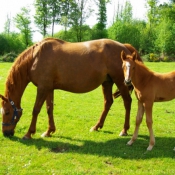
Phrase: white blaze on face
(128,65)
(2,111)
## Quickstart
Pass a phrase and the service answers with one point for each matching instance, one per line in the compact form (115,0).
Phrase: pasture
(74,150)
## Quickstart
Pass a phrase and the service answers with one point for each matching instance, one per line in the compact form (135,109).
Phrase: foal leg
(108,100)
(139,117)
(149,122)
(40,98)
(49,107)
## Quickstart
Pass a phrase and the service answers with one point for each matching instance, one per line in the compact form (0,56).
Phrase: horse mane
(132,49)
(117,93)
(18,70)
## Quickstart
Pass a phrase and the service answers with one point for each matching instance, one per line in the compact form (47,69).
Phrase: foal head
(128,66)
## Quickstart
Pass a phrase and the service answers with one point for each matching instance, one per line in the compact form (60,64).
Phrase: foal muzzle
(127,82)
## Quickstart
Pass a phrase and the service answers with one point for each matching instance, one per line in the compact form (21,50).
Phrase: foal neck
(141,74)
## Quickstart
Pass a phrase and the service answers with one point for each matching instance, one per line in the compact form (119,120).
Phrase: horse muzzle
(127,82)
(9,133)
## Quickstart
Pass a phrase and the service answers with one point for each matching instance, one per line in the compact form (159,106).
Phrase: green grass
(74,150)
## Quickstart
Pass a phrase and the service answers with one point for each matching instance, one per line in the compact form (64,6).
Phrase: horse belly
(79,83)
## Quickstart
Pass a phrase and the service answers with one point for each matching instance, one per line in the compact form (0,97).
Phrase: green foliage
(73,150)
(153,57)
(11,43)
(42,16)
(126,32)
(99,30)
(72,34)
(23,23)
(154,35)
(9,57)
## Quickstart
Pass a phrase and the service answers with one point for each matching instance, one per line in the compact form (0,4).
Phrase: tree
(7,25)
(42,16)
(23,23)
(54,12)
(80,11)
(100,28)
(126,13)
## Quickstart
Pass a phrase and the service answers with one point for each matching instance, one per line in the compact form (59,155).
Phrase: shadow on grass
(113,148)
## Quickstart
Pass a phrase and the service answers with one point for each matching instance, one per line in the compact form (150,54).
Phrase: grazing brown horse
(149,87)
(74,67)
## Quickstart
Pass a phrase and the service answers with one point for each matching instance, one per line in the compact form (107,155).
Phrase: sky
(12,7)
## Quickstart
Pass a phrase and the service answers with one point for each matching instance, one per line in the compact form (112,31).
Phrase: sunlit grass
(74,150)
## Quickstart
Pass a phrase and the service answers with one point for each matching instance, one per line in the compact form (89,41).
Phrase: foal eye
(7,113)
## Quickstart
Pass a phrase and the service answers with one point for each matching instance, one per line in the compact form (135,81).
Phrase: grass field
(73,150)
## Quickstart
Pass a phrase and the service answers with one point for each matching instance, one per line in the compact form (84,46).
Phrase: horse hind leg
(49,106)
(127,104)
(108,100)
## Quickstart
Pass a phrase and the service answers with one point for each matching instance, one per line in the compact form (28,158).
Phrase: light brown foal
(149,87)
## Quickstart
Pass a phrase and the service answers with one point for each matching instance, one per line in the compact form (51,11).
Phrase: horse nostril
(8,133)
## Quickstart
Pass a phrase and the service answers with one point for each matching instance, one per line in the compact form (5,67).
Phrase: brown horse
(74,67)
(149,87)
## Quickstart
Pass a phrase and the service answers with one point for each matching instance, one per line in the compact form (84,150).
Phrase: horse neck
(18,77)
(16,91)
(141,74)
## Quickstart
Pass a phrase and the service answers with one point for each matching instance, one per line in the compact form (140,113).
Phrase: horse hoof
(123,134)
(26,138)
(45,134)
(93,129)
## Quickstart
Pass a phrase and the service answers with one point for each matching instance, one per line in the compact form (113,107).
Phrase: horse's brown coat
(75,67)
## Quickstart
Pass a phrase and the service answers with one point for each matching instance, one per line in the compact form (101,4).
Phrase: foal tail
(117,93)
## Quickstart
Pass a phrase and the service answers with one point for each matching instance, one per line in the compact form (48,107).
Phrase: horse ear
(134,56)
(123,55)
(3,98)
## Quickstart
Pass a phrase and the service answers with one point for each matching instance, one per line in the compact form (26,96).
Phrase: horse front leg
(49,107)
(108,100)
(40,98)
(139,117)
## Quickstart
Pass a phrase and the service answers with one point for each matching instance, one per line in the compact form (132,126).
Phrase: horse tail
(117,93)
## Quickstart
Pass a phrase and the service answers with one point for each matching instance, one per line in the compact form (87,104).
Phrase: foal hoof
(150,147)
(129,143)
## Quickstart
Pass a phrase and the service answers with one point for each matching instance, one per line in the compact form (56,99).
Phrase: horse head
(10,116)
(128,66)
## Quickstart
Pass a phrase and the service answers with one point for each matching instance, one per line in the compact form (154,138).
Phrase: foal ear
(134,56)
(3,98)
(123,55)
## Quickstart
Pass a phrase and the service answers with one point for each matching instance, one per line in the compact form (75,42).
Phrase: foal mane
(19,71)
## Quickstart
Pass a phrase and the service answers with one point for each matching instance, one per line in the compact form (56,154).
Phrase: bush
(153,57)
(9,57)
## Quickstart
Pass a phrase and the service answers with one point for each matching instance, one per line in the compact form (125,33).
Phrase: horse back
(86,64)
